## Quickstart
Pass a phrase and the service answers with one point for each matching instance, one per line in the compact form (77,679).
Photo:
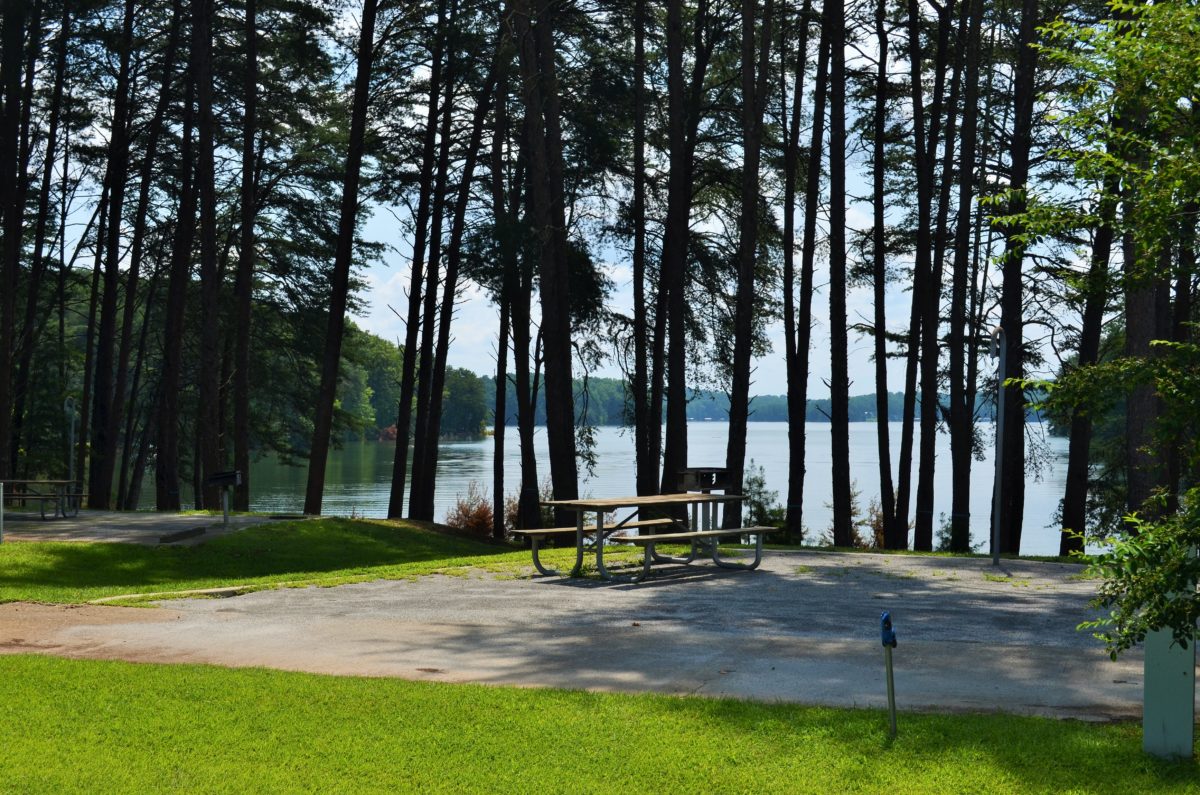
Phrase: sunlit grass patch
(81,726)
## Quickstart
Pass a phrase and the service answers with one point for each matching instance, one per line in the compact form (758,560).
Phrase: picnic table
(699,529)
(62,495)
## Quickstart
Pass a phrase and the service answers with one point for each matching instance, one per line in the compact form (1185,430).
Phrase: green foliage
(121,727)
(1150,580)
(464,408)
(762,504)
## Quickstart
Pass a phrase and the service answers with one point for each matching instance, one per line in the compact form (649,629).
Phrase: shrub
(472,513)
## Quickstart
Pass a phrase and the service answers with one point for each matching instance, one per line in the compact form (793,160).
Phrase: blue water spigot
(885,626)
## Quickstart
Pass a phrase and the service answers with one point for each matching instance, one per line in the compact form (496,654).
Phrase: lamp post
(998,349)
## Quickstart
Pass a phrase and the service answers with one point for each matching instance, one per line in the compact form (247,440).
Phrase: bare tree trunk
(38,264)
(794,526)
(754,100)
(89,347)
(683,119)
(895,536)
(450,285)
(1012,478)
(166,460)
(100,474)
(921,278)
(13,212)
(798,381)
(137,248)
(408,375)
(124,501)
(500,413)
(537,55)
(643,413)
(340,287)
(243,287)
(961,419)
(421,439)
(1074,510)
(209,375)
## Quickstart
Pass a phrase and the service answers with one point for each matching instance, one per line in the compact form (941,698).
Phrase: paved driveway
(804,628)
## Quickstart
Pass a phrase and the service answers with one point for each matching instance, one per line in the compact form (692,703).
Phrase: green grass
(324,552)
(82,726)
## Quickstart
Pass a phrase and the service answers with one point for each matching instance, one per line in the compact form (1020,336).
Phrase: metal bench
(537,535)
(696,538)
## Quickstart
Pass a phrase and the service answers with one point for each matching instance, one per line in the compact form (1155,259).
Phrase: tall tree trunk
(500,414)
(540,83)
(1074,510)
(683,113)
(408,375)
(962,420)
(124,501)
(798,381)
(754,98)
(38,264)
(794,526)
(643,415)
(421,440)
(137,248)
(100,475)
(243,287)
(85,404)
(208,420)
(922,286)
(1012,478)
(166,461)
(930,325)
(340,287)
(839,386)
(13,212)
(450,285)
(895,535)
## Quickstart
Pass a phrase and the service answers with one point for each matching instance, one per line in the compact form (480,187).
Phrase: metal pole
(1,511)
(225,505)
(1001,349)
(888,635)
(891,691)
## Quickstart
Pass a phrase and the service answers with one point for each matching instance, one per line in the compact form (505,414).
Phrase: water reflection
(358,479)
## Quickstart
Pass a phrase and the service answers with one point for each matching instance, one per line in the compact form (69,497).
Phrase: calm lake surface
(359,475)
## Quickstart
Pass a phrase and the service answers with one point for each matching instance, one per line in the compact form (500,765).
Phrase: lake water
(358,478)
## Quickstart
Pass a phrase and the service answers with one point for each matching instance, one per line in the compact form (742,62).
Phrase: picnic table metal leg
(647,557)
(758,542)
(605,573)
(538,563)
(577,570)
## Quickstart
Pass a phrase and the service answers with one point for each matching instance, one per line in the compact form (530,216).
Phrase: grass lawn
(321,551)
(83,726)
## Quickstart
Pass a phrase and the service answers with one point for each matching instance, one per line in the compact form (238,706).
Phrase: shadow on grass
(288,550)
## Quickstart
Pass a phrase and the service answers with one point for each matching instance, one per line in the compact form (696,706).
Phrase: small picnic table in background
(63,495)
(701,531)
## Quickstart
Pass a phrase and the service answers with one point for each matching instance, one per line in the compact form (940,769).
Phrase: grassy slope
(324,551)
(75,726)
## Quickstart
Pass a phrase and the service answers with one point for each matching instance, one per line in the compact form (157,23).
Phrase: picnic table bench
(696,538)
(536,536)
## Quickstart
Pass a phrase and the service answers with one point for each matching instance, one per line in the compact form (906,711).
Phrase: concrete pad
(803,628)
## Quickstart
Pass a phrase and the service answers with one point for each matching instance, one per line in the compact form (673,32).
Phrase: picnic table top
(35,482)
(650,500)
